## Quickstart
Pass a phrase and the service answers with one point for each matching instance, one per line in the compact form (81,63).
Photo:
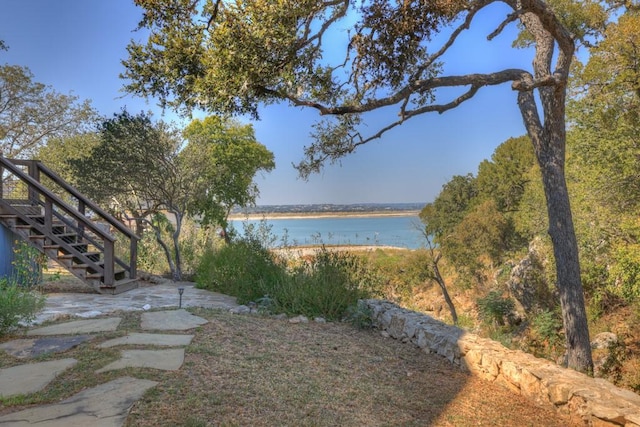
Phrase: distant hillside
(324,208)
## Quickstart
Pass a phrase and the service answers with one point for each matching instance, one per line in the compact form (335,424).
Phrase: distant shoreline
(318,215)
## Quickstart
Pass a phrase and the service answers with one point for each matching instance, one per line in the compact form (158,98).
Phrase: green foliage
(194,242)
(494,308)
(58,153)
(465,321)
(626,273)
(27,265)
(18,301)
(325,285)
(230,157)
(31,113)
(450,206)
(244,269)
(142,169)
(504,178)
(479,241)
(547,325)
(360,315)
(17,305)
(405,273)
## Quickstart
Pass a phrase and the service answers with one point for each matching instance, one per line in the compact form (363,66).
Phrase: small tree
(136,171)
(434,274)
(230,157)
(143,170)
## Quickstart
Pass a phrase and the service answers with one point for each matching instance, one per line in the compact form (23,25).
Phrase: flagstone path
(106,405)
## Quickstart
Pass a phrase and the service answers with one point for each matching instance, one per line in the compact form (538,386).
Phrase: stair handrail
(77,214)
(88,203)
(84,199)
(54,198)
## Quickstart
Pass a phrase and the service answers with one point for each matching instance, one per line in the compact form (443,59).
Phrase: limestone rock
(241,309)
(526,283)
(299,319)
(604,340)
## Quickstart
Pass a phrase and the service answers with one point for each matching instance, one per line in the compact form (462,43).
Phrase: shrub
(28,263)
(494,308)
(17,304)
(243,269)
(625,273)
(360,315)
(547,325)
(327,286)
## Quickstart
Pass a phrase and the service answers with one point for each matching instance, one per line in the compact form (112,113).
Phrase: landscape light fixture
(180,291)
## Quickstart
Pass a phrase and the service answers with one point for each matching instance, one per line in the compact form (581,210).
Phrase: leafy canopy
(31,113)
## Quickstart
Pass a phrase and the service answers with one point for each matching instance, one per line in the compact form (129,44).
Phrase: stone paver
(175,320)
(136,338)
(25,379)
(34,347)
(166,360)
(106,405)
(159,296)
(78,327)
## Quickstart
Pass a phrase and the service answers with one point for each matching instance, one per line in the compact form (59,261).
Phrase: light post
(180,291)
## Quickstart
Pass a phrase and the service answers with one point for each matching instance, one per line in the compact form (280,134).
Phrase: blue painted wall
(7,237)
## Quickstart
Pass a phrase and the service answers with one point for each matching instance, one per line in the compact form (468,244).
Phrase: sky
(76,46)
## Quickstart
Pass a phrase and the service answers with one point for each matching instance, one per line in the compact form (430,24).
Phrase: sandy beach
(303,251)
(314,215)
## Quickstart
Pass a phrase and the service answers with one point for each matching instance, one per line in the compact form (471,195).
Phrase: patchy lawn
(245,370)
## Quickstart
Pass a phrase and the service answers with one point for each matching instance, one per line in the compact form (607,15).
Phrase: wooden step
(119,287)
(119,274)
(51,251)
(9,220)
(93,256)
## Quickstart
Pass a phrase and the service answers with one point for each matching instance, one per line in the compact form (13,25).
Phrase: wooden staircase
(54,217)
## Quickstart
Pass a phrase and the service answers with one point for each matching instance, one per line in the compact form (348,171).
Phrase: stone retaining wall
(594,401)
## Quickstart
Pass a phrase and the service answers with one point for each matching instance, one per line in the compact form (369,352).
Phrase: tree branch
(510,18)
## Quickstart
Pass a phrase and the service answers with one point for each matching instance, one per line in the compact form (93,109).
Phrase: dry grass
(242,370)
(260,371)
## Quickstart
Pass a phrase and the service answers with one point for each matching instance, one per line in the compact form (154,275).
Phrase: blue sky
(75,46)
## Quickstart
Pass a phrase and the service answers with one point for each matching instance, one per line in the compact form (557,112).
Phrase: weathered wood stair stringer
(64,232)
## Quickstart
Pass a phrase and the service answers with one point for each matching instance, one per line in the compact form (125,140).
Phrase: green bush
(494,308)
(625,273)
(243,269)
(28,263)
(17,304)
(548,326)
(325,285)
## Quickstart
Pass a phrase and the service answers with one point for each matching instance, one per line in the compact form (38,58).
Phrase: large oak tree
(232,56)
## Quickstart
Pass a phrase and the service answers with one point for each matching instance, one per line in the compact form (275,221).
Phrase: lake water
(400,231)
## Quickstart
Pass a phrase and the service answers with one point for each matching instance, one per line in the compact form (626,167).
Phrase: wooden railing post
(109,273)
(81,209)
(48,215)
(34,172)
(133,258)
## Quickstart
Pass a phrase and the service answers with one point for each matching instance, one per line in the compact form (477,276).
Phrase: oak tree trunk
(549,143)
